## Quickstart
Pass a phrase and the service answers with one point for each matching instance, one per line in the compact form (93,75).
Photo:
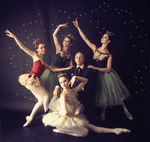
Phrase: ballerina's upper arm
(57,45)
(109,62)
(90,44)
(29,52)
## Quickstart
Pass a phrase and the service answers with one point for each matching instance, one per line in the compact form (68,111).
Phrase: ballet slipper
(127,113)
(28,119)
(119,131)
(57,131)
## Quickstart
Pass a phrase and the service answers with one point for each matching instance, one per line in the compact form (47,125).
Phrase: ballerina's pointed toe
(127,113)
(119,131)
(28,119)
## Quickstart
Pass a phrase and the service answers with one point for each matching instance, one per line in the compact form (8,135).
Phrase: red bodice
(38,68)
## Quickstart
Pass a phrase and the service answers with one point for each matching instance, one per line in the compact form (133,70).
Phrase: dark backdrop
(31,19)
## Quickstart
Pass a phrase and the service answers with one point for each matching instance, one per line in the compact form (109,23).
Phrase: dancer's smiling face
(41,48)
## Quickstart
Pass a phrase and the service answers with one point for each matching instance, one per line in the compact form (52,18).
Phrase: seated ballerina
(66,116)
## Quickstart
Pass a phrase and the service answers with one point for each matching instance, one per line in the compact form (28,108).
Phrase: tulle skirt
(55,103)
(110,90)
(29,80)
(50,80)
(55,119)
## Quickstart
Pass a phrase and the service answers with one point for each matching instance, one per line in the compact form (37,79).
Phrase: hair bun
(36,43)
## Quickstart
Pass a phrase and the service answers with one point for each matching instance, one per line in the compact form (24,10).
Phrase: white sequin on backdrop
(29,29)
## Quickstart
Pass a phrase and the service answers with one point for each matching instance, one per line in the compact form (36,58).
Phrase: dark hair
(36,43)
(62,75)
(110,35)
(70,36)
(79,52)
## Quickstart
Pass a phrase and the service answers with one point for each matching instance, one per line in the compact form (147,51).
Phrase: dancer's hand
(10,34)
(63,25)
(72,81)
(75,22)
(70,67)
(56,91)
(77,110)
(91,67)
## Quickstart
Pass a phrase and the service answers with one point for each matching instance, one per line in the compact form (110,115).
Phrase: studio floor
(12,130)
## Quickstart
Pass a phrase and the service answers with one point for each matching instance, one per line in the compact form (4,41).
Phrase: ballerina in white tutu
(66,115)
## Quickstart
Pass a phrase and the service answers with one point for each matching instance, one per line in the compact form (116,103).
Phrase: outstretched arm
(25,49)
(79,87)
(57,69)
(91,45)
(107,69)
(57,45)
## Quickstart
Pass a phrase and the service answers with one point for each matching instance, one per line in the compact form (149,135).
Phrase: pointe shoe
(28,119)
(127,113)
(119,131)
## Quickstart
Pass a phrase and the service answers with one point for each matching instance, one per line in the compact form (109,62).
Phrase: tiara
(110,33)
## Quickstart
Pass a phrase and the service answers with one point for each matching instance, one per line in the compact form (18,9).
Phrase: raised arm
(107,69)
(57,45)
(20,44)
(57,69)
(91,45)
(79,87)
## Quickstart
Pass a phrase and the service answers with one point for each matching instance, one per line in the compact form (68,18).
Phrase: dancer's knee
(46,98)
(41,101)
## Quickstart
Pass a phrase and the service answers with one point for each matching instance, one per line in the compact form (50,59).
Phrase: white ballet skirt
(29,80)
(55,119)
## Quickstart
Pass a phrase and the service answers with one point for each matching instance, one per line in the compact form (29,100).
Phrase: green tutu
(110,90)
(50,80)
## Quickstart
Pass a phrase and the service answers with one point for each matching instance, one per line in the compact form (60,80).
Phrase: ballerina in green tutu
(49,78)
(110,90)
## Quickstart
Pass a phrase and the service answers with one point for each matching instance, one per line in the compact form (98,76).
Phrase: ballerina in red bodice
(32,80)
